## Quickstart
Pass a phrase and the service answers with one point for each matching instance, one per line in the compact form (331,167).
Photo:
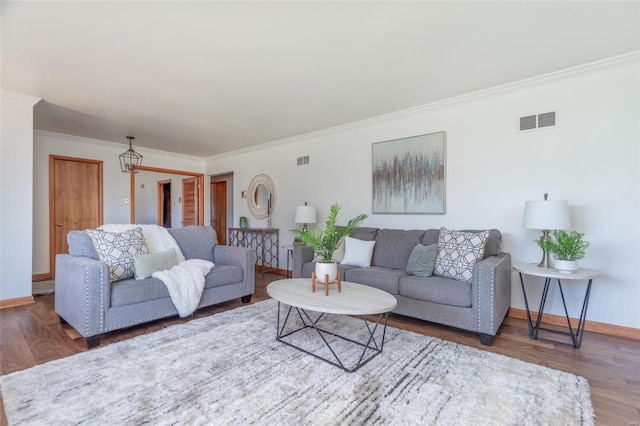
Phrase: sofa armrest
(491,291)
(238,256)
(301,255)
(83,292)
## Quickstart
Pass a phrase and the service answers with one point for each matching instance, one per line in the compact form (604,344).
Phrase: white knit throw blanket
(156,238)
(185,283)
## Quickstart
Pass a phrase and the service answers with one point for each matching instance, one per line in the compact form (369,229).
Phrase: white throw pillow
(147,264)
(117,249)
(357,252)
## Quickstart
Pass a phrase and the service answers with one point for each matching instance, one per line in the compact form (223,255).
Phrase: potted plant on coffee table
(566,248)
(324,243)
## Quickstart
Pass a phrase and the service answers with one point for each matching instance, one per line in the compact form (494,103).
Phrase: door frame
(52,162)
(200,182)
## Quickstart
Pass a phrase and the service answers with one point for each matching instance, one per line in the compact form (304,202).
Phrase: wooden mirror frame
(198,176)
(260,212)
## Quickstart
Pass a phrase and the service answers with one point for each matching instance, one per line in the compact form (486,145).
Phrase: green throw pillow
(147,264)
(422,260)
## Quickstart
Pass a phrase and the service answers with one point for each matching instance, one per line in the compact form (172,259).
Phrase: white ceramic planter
(323,269)
(566,266)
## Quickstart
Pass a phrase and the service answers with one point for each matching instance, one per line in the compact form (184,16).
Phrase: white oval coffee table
(354,300)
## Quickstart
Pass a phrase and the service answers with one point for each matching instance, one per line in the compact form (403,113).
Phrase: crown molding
(613,62)
(82,139)
(20,96)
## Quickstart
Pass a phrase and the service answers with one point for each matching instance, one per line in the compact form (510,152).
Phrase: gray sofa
(478,307)
(92,305)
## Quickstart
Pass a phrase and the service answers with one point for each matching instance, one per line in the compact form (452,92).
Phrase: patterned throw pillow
(458,252)
(117,249)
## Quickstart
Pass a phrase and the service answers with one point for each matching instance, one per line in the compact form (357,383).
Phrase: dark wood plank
(31,335)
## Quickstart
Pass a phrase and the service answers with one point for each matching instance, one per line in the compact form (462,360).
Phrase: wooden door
(190,202)
(219,210)
(75,200)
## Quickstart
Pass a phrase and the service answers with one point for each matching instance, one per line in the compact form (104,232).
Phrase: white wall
(147,197)
(16,179)
(592,159)
(116,185)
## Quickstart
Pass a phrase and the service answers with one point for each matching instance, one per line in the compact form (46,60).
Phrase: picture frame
(409,175)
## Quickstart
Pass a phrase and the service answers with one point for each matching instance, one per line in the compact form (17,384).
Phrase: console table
(550,274)
(264,241)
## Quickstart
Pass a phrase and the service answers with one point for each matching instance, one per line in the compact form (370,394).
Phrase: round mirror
(261,196)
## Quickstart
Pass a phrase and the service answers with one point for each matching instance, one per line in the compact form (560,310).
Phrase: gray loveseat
(92,305)
(479,307)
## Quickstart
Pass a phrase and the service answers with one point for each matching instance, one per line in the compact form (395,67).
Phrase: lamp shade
(305,214)
(546,214)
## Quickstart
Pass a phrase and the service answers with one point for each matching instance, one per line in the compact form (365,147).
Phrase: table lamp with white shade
(305,214)
(546,215)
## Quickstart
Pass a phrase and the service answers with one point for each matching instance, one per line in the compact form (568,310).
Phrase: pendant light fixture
(130,160)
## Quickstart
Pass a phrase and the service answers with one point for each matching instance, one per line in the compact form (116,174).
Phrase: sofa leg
(486,339)
(246,299)
(93,341)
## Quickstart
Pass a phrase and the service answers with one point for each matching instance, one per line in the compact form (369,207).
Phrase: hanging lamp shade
(130,160)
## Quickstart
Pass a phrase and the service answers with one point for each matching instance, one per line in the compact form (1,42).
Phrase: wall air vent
(301,161)
(538,121)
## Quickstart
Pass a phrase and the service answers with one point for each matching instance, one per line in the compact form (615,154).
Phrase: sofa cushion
(458,252)
(435,289)
(146,264)
(366,234)
(117,250)
(376,276)
(131,291)
(358,252)
(422,260)
(196,242)
(394,246)
(80,244)
(223,275)
(429,237)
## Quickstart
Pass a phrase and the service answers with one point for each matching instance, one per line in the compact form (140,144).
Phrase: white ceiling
(205,78)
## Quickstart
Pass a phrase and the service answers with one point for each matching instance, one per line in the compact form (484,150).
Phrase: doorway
(75,200)
(198,192)
(164,203)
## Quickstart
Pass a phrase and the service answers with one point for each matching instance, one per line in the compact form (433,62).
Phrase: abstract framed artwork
(409,175)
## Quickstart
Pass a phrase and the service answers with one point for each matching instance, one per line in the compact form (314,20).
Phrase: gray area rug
(229,369)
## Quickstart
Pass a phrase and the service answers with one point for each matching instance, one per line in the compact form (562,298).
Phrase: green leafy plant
(324,243)
(565,246)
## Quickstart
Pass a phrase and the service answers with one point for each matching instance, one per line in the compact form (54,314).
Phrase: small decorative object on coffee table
(325,283)
(326,242)
(354,300)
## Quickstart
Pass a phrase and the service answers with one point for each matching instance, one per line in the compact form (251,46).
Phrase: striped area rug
(229,369)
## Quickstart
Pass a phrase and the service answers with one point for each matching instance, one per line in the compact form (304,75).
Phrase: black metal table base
(372,344)
(576,336)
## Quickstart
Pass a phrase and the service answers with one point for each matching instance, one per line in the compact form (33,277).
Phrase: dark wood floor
(31,335)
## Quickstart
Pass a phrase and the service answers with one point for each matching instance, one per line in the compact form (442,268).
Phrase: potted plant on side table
(324,243)
(566,248)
